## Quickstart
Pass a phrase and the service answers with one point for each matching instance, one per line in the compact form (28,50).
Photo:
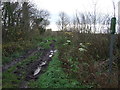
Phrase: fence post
(112,40)
(119,17)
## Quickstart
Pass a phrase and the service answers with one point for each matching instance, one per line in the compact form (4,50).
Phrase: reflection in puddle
(43,63)
(37,71)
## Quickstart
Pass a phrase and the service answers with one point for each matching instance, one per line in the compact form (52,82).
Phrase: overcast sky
(71,6)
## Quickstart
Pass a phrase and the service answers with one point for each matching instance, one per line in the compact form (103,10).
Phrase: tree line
(84,22)
(21,20)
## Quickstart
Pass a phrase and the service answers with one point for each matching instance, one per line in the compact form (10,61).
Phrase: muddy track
(36,68)
(15,61)
(33,69)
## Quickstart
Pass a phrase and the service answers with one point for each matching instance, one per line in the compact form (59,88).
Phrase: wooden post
(119,17)
(112,40)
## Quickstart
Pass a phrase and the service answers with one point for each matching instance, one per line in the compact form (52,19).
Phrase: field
(60,60)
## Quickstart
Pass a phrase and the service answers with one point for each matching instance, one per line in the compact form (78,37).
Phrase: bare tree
(63,21)
(94,21)
(82,23)
(76,22)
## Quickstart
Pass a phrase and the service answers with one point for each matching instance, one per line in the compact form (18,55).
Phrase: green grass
(16,49)
(7,59)
(44,45)
(55,77)
(69,54)
(10,79)
(12,82)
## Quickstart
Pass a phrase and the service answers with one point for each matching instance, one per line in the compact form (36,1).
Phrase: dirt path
(15,61)
(36,68)
(32,69)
